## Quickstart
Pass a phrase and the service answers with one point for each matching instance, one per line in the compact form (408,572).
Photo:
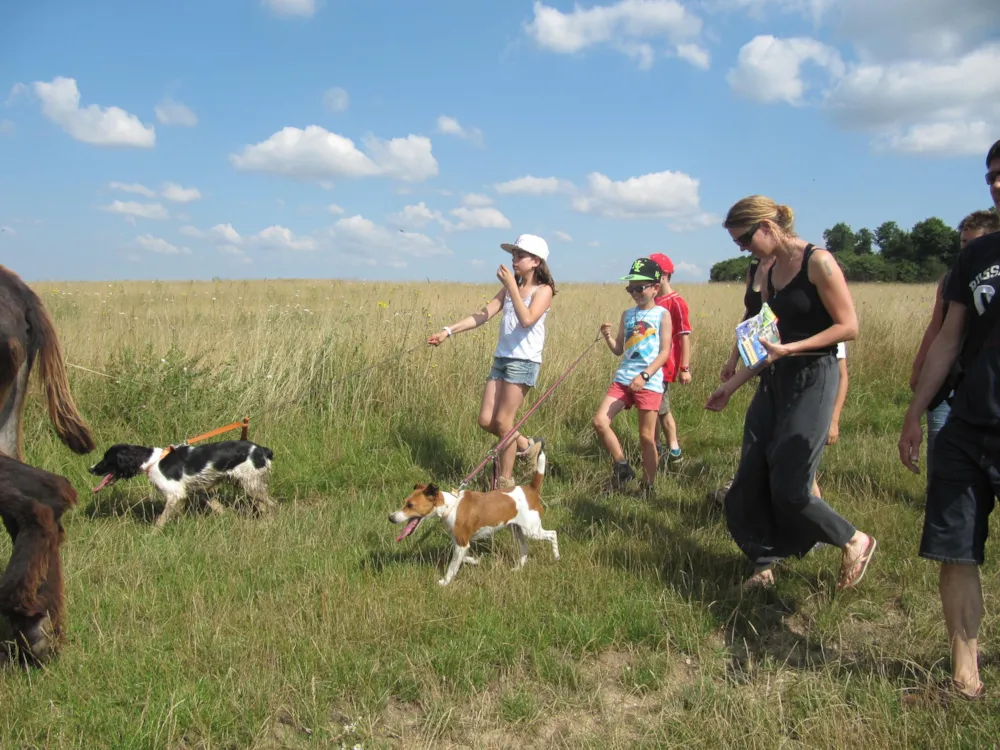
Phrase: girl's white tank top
(518,342)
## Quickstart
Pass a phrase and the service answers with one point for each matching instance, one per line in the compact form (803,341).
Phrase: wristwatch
(645,375)
(685,369)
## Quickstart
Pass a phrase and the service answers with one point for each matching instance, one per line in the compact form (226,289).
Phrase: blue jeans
(936,418)
(517,371)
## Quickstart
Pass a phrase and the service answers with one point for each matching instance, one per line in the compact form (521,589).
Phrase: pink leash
(494,454)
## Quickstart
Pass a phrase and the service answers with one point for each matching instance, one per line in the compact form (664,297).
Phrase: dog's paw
(443,582)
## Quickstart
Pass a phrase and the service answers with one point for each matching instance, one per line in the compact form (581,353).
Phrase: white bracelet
(447,330)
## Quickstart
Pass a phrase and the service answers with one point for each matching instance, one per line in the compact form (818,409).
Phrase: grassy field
(313,628)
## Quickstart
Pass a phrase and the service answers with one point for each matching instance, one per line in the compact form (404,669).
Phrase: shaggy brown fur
(32,502)
(26,331)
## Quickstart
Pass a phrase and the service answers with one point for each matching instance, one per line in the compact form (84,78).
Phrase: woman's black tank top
(801,313)
(752,300)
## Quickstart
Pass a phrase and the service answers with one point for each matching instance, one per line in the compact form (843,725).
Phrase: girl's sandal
(961,691)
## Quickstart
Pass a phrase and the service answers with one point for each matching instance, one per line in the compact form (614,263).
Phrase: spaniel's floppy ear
(431,490)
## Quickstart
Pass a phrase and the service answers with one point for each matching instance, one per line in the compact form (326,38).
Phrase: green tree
(894,243)
(863,241)
(732,269)
(839,239)
(932,239)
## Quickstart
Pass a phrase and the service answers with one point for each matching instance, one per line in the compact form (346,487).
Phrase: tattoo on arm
(826,267)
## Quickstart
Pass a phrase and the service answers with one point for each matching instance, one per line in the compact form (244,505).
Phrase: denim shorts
(517,371)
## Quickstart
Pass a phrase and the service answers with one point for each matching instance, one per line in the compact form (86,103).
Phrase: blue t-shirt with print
(642,346)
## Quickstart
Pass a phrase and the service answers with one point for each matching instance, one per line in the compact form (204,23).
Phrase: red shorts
(645,399)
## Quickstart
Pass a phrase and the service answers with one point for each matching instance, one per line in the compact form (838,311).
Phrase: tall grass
(314,628)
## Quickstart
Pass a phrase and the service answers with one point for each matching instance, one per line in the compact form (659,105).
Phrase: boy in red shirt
(678,367)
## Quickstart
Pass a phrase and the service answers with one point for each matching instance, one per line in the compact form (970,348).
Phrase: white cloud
(673,195)
(281,238)
(7,127)
(562,236)
(770,70)
(529,185)
(628,26)
(315,154)
(169,112)
(135,209)
(360,237)
(291,8)
(927,29)
(133,187)
(189,231)
(933,106)
(695,54)
(451,126)
(691,269)
(479,218)
(109,126)
(230,250)
(475,200)
(336,100)
(416,217)
(6,229)
(334,209)
(950,107)
(227,233)
(177,194)
(157,245)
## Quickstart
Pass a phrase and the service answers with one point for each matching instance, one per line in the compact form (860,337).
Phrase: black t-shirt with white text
(974,281)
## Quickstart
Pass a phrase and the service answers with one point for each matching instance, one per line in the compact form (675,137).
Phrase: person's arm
(937,318)
(526,316)
(685,364)
(721,395)
(617,344)
(829,281)
(838,404)
(472,321)
(940,357)
(729,369)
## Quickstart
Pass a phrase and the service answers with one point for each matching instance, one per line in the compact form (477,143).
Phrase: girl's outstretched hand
(719,399)
(507,278)
(437,338)
(606,330)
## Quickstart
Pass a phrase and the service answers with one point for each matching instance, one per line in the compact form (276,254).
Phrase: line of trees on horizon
(889,254)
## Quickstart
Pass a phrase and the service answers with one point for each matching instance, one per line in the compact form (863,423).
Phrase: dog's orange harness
(244,423)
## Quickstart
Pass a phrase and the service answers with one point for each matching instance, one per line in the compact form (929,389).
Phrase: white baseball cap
(529,243)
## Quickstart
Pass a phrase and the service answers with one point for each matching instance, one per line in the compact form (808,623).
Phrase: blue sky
(296,138)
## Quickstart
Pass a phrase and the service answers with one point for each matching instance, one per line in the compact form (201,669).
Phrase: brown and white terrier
(476,515)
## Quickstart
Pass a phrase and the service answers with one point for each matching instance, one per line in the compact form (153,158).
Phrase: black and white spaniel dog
(184,469)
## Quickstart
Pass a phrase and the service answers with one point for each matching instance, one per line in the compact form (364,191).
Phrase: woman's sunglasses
(746,238)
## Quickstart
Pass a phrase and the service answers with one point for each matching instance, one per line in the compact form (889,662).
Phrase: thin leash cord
(494,452)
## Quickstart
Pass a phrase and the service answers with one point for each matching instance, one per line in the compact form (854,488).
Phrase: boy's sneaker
(675,456)
(621,473)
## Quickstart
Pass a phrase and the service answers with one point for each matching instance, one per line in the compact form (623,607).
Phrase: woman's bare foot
(857,555)
(761,579)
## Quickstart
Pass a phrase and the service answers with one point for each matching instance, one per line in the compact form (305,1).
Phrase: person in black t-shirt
(966,477)
(972,227)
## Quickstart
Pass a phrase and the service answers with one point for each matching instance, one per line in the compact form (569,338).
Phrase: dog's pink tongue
(108,479)
(408,529)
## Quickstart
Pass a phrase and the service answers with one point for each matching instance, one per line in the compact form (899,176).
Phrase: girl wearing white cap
(524,300)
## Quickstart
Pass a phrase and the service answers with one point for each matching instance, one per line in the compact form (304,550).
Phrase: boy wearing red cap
(678,367)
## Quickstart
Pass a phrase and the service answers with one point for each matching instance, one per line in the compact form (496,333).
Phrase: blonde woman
(771,509)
